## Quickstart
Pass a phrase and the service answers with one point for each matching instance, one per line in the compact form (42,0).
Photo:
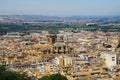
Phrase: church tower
(51,39)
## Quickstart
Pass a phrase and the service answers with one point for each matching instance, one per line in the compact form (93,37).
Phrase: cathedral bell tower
(51,39)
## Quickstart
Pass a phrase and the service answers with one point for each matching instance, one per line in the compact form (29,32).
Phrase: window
(113,58)
(59,48)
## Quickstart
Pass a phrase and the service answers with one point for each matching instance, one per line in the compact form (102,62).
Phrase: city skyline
(60,8)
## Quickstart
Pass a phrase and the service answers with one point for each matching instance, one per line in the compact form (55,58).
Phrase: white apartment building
(110,59)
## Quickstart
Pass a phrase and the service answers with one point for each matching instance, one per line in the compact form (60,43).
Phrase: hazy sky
(60,7)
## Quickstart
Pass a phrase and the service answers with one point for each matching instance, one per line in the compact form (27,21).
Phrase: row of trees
(10,27)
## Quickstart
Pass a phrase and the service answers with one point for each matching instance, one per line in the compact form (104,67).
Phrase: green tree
(45,78)
(12,75)
(54,77)
(2,69)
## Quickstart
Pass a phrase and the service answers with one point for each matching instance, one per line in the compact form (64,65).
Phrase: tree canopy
(12,75)
(54,77)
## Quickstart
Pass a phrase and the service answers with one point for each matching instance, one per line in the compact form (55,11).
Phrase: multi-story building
(110,59)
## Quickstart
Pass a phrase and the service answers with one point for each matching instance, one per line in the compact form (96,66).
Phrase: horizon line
(58,15)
